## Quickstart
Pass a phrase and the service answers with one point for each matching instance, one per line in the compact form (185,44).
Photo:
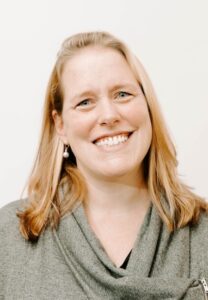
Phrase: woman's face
(105,118)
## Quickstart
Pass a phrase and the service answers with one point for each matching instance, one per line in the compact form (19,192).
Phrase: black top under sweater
(125,263)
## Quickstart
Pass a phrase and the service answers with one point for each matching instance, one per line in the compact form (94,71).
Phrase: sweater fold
(71,263)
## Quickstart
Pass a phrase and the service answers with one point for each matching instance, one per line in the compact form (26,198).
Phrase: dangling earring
(66,153)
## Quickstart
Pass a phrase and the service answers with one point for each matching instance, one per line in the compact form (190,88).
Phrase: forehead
(93,54)
(96,65)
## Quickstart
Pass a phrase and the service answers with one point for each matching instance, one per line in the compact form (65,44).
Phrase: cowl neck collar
(158,268)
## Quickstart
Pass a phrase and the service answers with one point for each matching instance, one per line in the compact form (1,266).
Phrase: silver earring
(66,153)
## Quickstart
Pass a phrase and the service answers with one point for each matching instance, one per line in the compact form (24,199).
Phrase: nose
(109,114)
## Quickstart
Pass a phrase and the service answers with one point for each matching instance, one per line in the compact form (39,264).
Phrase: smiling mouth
(113,140)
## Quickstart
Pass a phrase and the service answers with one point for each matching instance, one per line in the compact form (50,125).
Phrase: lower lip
(111,148)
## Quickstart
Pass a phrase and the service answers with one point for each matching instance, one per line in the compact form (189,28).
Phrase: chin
(116,173)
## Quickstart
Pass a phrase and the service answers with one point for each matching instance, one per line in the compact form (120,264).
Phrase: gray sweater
(72,264)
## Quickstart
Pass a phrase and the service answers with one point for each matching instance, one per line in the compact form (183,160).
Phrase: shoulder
(8,216)
(200,229)
(8,212)
(12,243)
(13,247)
(199,245)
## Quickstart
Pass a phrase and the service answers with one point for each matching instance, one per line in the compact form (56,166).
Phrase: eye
(123,94)
(84,103)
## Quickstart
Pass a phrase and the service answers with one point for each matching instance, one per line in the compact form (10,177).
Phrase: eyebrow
(113,88)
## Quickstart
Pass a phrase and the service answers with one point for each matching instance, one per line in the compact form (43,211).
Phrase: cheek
(139,115)
(77,126)
(140,119)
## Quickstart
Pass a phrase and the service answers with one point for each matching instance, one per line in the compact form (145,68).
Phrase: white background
(169,36)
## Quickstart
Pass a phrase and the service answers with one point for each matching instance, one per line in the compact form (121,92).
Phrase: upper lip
(111,134)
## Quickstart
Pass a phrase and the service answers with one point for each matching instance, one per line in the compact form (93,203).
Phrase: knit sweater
(71,263)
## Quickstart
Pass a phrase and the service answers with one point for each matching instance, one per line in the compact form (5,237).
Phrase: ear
(59,126)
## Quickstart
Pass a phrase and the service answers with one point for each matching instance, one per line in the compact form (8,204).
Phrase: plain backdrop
(169,36)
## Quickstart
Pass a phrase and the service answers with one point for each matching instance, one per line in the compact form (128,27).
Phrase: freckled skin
(104,109)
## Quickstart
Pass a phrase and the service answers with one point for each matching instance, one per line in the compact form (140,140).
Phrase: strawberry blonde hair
(55,185)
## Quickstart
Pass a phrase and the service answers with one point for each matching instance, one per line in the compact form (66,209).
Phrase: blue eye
(84,102)
(123,94)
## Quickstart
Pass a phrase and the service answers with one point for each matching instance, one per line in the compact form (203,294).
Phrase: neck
(117,196)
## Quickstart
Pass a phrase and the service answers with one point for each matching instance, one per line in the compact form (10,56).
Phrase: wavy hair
(55,185)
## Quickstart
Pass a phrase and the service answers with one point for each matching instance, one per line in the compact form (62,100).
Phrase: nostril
(109,121)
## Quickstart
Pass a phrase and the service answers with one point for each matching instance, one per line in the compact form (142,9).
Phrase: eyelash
(82,102)
(87,100)
(122,92)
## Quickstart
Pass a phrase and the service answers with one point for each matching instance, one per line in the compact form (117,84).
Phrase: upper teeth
(110,141)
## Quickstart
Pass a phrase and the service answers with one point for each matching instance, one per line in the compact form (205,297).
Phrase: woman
(106,216)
